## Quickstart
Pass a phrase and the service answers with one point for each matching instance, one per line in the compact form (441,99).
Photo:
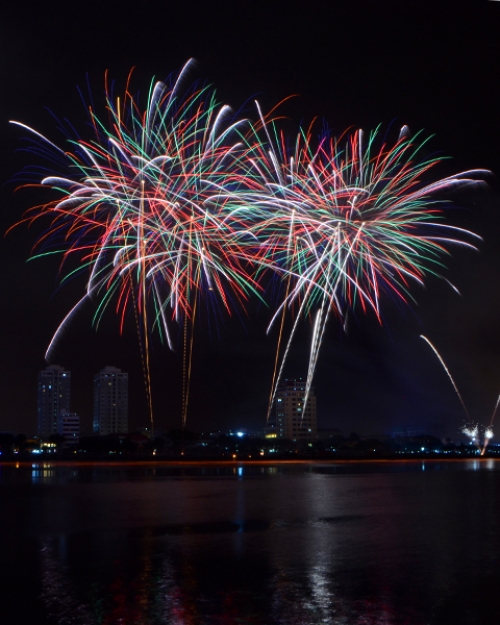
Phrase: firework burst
(350,219)
(148,208)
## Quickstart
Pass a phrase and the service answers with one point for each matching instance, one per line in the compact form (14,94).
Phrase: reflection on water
(380,544)
(487,463)
(43,472)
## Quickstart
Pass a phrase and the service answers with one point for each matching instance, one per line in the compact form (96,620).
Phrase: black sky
(431,65)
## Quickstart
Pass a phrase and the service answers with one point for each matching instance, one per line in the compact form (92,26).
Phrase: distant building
(327,433)
(68,425)
(53,398)
(111,402)
(420,429)
(293,419)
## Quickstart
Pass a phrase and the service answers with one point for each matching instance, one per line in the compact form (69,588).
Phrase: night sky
(431,65)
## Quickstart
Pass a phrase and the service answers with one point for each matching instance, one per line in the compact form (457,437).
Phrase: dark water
(354,544)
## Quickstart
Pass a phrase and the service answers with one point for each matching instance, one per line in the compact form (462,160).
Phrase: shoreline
(235,463)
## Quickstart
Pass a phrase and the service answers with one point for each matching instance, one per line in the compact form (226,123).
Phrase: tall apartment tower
(110,402)
(53,398)
(293,420)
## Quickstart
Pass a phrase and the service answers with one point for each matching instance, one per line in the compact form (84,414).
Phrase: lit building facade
(293,420)
(111,402)
(68,425)
(53,398)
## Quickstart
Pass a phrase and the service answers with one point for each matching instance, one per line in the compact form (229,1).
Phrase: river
(414,543)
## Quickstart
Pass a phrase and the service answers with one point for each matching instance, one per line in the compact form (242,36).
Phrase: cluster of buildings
(292,417)
(54,413)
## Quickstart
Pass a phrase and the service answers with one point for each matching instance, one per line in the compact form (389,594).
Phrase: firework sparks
(472,432)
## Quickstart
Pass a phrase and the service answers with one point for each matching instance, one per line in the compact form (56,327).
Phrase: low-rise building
(68,425)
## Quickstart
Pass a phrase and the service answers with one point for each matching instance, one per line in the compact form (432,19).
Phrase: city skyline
(367,377)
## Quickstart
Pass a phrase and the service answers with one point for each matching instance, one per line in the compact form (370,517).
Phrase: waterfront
(264,543)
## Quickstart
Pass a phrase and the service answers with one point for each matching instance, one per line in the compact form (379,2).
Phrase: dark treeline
(188,445)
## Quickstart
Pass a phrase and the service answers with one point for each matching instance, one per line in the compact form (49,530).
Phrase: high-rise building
(111,401)
(293,419)
(53,398)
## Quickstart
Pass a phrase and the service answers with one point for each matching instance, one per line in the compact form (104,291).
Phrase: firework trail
(488,432)
(448,373)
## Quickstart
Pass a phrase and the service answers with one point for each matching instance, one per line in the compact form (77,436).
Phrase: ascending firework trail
(488,432)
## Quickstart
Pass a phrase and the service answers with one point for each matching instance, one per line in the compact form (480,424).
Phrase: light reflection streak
(58,592)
